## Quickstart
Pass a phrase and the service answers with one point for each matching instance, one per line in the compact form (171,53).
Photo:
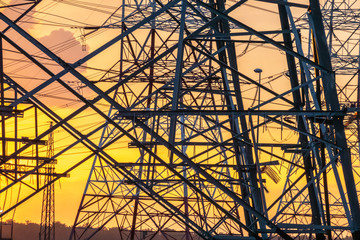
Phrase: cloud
(65,45)
(60,41)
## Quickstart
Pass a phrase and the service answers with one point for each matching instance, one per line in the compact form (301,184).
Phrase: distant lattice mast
(47,226)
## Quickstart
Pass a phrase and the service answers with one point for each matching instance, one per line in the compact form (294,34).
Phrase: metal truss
(206,141)
(344,51)
(170,121)
(47,225)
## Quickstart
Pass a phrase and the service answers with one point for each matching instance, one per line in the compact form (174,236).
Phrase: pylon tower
(132,209)
(343,44)
(47,225)
(195,141)
(204,140)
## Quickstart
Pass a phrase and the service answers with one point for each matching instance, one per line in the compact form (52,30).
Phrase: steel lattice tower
(182,114)
(342,38)
(47,225)
(205,137)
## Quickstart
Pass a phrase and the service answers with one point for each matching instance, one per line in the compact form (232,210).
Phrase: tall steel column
(47,225)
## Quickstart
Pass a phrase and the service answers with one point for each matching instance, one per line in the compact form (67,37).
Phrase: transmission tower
(47,225)
(343,38)
(343,41)
(194,105)
(194,141)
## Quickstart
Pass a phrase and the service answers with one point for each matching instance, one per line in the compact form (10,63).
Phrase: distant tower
(47,226)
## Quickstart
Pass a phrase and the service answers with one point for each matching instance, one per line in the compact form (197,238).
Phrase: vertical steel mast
(47,225)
